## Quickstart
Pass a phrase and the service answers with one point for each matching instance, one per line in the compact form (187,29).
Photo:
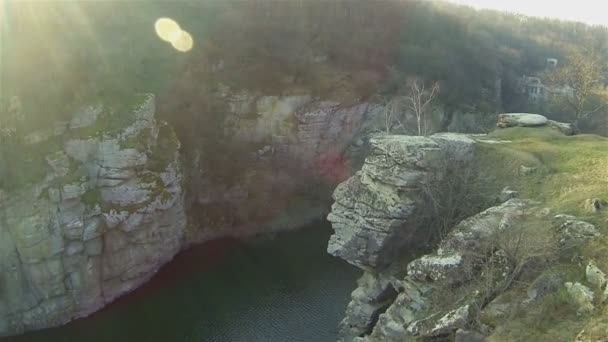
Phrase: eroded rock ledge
(375,211)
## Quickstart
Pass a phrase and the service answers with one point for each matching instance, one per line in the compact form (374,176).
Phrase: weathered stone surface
(595,276)
(565,128)
(521,119)
(372,210)
(593,205)
(418,311)
(453,320)
(438,267)
(507,194)
(543,285)
(581,295)
(572,231)
(527,170)
(372,296)
(65,255)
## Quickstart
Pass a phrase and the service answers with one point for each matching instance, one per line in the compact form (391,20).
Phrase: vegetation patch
(562,171)
(113,119)
(163,153)
(25,164)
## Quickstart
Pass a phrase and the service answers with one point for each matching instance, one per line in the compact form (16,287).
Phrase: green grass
(570,169)
(553,319)
(115,117)
(162,153)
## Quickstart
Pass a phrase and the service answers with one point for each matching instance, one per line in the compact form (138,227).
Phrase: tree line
(346,51)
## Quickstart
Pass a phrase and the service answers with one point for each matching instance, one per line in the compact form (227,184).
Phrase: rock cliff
(287,154)
(105,212)
(93,206)
(512,272)
(376,212)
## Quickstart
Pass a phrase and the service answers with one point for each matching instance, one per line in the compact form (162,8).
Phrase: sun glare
(166,29)
(587,11)
(183,42)
(169,30)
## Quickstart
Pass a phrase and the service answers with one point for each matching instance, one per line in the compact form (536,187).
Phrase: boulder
(581,295)
(565,128)
(546,283)
(527,170)
(593,205)
(573,231)
(521,119)
(372,296)
(451,321)
(507,194)
(595,276)
(435,268)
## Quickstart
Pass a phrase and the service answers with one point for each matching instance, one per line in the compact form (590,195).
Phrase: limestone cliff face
(288,155)
(376,216)
(375,211)
(107,213)
(108,207)
(509,258)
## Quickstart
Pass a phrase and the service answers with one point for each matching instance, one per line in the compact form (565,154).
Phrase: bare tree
(583,74)
(393,111)
(418,100)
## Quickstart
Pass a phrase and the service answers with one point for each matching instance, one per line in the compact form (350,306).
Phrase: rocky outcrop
(521,119)
(491,275)
(107,208)
(374,215)
(532,120)
(464,289)
(438,295)
(106,214)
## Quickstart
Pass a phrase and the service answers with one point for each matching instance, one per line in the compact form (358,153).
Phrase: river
(284,289)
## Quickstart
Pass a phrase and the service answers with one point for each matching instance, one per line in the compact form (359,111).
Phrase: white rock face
(521,119)
(573,231)
(371,209)
(99,224)
(595,276)
(417,312)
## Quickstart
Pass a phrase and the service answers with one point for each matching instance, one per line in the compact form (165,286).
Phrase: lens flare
(183,42)
(167,29)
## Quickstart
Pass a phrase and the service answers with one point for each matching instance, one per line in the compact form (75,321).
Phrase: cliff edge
(96,209)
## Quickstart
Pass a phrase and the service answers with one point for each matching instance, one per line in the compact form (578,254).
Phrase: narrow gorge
(301,171)
(113,198)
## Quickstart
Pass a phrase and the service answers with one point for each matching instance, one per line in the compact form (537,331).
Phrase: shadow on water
(282,289)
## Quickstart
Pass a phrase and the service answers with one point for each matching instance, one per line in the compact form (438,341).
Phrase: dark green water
(280,290)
